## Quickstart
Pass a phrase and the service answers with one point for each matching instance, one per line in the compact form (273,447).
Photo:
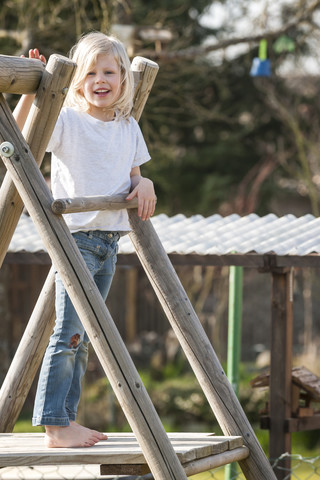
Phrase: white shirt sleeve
(142,154)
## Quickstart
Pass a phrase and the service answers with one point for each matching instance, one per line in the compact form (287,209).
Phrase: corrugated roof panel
(288,236)
(26,237)
(214,235)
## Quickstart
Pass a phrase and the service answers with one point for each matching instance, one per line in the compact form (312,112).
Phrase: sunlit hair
(85,54)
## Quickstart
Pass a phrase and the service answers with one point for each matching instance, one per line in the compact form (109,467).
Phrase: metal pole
(234,341)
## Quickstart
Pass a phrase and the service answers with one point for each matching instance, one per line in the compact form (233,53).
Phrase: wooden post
(41,121)
(196,345)
(54,83)
(148,71)
(280,368)
(86,298)
(28,357)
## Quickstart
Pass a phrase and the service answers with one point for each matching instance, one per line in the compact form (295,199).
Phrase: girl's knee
(74,340)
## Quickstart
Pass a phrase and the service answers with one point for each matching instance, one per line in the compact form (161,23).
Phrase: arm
(22,109)
(143,189)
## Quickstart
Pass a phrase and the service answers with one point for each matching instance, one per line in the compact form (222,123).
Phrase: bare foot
(74,435)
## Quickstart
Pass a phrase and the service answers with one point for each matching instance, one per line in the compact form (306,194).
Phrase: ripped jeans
(66,357)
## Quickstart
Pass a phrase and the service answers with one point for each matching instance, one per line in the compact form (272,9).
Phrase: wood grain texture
(40,124)
(214,461)
(37,132)
(148,71)
(120,449)
(89,204)
(20,75)
(195,343)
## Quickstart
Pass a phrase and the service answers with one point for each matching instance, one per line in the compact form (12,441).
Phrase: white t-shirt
(91,157)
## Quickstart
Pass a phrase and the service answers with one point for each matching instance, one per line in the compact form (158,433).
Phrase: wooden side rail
(214,461)
(88,204)
(20,75)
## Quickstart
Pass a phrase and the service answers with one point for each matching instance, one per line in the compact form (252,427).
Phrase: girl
(97,149)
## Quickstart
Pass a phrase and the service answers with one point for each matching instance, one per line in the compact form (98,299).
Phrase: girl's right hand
(34,53)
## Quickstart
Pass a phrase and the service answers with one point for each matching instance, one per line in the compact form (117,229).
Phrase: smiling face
(102,87)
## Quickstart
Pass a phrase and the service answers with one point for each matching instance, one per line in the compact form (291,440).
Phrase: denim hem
(52,421)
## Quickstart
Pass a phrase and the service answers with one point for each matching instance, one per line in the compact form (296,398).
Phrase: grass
(24,425)
(302,468)
(305,458)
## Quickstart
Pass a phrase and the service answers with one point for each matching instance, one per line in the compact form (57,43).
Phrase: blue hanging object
(261,66)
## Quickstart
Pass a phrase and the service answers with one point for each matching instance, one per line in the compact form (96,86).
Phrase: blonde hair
(85,54)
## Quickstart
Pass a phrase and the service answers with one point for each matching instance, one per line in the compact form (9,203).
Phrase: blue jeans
(66,357)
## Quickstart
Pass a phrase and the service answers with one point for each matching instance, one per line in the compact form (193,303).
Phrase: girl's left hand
(145,193)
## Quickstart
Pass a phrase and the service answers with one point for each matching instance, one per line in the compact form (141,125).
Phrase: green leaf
(284,44)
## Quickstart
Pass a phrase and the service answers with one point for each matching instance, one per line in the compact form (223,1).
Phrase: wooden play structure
(149,448)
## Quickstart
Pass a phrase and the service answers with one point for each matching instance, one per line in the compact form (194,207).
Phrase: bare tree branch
(192,52)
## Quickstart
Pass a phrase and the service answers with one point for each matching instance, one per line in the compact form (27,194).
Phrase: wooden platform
(121,453)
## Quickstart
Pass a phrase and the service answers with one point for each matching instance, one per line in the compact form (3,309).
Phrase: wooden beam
(28,357)
(89,204)
(27,258)
(177,259)
(214,461)
(301,424)
(148,71)
(136,469)
(292,424)
(281,365)
(20,75)
(191,468)
(196,345)
(265,263)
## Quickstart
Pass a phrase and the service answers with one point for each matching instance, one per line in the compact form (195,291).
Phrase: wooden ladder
(25,185)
